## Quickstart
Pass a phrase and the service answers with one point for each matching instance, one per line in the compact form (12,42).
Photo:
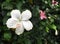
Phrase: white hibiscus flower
(20,21)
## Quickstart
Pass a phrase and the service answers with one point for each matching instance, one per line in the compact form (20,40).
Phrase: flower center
(20,19)
(18,25)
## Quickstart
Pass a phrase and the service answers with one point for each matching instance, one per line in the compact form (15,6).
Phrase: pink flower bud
(42,15)
(56,32)
(54,2)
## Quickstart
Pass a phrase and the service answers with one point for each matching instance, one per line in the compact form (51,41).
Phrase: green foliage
(7,36)
(43,31)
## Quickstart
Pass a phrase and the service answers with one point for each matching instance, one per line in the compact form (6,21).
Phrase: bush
(45,31)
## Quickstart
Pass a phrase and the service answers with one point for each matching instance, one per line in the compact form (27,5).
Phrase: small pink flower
(54,2)
(42,15)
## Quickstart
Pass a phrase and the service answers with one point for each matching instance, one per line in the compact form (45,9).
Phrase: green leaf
(47,29)
(39,41)
(8,1)
(5,20)
(52,20)
(7,36)
(53,26)
(27,41)
(8,14)
(7,6)
(19,5)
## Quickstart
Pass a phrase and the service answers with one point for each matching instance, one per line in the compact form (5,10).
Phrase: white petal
(26,15)
(19,30)
(27,25)
(11,23)
(15,14)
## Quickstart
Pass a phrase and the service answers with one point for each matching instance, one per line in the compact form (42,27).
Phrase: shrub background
(43,31)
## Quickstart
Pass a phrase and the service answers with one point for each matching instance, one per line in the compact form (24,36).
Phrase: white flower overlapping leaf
(20,21)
